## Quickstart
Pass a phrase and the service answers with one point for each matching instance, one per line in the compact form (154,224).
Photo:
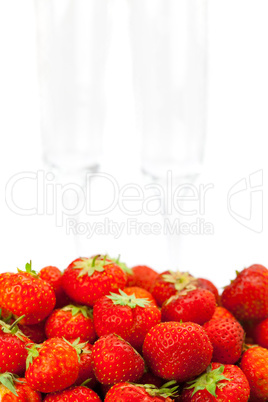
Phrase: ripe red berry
(220,383)
(247,295)
(24,293)
(177,351)
(87,279)
(227,337)
(74,394)
(255,367)
(52,366)
(115,360)
(197,305)
(71,322)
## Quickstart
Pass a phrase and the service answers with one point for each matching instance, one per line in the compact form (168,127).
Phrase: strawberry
(53,276)
(71,322)
(177,351)
(169,283)
(149,378)
(143,277)
(222,312)
(126,392)
(227,337)
(247,295)
(115,360)
(87,279)
(24,293)
(74,394)
(260,333)
(206,284)
(86,372)
(255,367)
(125,315)
(17,390)
(36,332)
(13,349)
(220,383)
(52,366)
(140,293)
(197,305)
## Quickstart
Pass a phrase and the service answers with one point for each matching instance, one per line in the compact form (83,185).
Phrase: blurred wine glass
(72,37)
(72,47)
(169,59)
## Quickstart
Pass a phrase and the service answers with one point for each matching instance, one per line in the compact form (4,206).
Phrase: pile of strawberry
(100,331)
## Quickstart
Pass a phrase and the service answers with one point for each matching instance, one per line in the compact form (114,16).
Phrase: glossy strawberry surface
(227,337)
(24,294)
(54,366)
(74,394)
(231,385)
(177,351)
(115,360)
(197,305)
(85,283)
(247,295)
(71,322)
(254,364)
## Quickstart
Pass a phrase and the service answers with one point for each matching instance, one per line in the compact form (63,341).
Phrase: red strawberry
(74,394)
(53,276)
(197,305)
(254,364)
(227,337)
(35,332)
(71,322)
(87,279)
(17,390)
(140,293)
(13,349)
(23,293)
(85,363)
(220,383)
(125,315)
(260,333)
(169,283)
(206,284)
(222,312)
(149,378)
(115,360)
(177,351)
(52,366)
(247,295)
(126,392)
(143,277)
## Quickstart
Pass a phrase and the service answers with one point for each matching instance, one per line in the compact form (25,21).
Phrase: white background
(236,141)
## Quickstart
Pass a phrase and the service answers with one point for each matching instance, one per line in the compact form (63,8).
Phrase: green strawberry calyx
(181,280)
(7,318)
(32,354)
(84,310)
(210,381)
(128,300)
(121,264)
(13,329)
(28,270)
(7,379)
(79,347)
(90,265)
(164,391)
